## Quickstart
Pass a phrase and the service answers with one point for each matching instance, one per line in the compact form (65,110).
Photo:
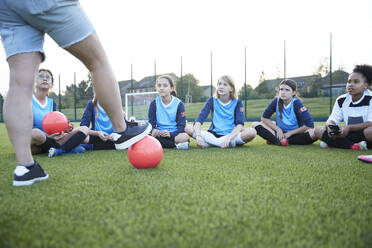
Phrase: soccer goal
(137,104)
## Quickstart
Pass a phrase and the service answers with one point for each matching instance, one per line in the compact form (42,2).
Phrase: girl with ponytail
(294,124)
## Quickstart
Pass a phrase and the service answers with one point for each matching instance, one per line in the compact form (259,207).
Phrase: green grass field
(252,196)
(318,107)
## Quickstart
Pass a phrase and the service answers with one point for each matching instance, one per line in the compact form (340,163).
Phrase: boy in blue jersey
(167,116)
(23,25)
(67,142)
(355,109)
(227,128)
(294,124)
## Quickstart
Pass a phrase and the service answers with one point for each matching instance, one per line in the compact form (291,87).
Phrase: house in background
(308,86)
(207,90)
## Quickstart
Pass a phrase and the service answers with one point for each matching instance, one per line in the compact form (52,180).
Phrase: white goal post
(137,104)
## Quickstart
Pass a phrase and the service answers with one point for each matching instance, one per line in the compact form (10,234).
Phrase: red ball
(54,122)
(146,153)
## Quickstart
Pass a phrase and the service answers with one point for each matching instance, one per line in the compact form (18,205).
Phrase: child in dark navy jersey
(167,116)
(227,127)
(41,105)
(355,109)
(294,124)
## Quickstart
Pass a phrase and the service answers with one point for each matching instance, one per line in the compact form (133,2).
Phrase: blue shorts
(24,23)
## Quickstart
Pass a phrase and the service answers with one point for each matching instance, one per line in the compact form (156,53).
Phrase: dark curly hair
(366,71)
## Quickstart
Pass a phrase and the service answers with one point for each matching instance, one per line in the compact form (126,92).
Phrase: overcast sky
(142,31)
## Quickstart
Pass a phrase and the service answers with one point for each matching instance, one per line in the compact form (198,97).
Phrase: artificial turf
(257,195)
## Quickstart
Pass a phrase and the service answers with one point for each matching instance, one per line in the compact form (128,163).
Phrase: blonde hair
(228,79)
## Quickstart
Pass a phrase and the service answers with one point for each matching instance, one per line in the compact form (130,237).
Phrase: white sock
(21,170)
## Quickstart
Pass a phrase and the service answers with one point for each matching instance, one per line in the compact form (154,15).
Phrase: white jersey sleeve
(337,114)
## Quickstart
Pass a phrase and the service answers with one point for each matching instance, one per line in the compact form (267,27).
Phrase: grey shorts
(23,24)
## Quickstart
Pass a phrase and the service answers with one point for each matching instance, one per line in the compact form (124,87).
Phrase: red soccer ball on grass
(54,122)
(146,153)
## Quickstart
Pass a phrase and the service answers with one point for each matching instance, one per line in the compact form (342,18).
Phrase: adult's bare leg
(18,116)
(91,53)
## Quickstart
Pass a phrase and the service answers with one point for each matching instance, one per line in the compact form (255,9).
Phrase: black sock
(267,135)
(48,144)
(300,139)
(338,142)
(74,141)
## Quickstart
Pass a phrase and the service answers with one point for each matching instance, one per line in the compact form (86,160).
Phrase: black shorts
(99,144)
(166,142)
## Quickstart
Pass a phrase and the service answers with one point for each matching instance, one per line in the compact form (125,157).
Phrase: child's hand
(103,135)
(70,127)
(165,134)
(279,134)
(56,136)
(155,133)
(199,141)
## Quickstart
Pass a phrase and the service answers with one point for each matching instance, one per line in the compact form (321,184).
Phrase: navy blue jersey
(225,117)
(295,112)
(100,122)
(169,117)
(39,110)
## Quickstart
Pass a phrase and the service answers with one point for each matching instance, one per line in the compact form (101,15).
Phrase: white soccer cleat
(323,144)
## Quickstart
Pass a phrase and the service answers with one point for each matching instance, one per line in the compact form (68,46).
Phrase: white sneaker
(323,144)
(363,146)
(52,152)
(183,146)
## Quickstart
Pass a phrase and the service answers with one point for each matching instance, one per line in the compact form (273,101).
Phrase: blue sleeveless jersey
(102,122)
(166,115)
(40,111)
(289,121)
(223,116)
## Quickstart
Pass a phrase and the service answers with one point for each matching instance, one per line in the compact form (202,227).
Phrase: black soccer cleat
(24,176)
(130,136)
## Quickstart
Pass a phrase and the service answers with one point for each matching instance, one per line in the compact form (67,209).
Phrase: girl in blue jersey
(41,105)
(227,128)
(294,124)
(167,116)
(101,127)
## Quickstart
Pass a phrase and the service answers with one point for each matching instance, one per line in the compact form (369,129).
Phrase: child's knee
(255,124)
(37,137)
(182,137)
(318,132)
(312,133)
(248,134)
(189,130)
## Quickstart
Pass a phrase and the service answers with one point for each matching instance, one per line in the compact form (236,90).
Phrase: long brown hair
(171,83)
(293,85)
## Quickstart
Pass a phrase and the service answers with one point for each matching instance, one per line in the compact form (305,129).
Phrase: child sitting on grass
(355,109)
(167,116)
(294,124)
(227,127)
